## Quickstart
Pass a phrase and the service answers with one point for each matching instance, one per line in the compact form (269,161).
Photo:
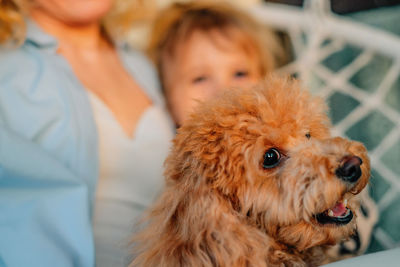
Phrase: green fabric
(386,18)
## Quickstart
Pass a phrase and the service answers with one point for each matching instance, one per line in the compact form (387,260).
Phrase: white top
(131,175)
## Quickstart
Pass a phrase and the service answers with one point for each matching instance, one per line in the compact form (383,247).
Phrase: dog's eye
(271,158)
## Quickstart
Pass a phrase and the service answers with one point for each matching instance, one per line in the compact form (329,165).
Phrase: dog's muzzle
(349,169)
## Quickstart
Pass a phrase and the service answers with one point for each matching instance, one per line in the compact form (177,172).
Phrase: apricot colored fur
(221,208)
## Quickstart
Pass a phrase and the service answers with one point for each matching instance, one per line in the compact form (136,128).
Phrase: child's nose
(220,84)
(225,82)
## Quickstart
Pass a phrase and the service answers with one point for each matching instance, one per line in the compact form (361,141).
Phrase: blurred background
(345,6)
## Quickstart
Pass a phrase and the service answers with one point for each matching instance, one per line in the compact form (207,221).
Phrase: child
(201,48)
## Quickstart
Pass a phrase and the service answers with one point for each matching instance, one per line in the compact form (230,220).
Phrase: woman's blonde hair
(116,23)
(176,23)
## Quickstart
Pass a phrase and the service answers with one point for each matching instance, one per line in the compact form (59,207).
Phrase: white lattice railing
(317,19)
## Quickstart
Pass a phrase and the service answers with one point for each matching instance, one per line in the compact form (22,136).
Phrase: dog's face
(267,152)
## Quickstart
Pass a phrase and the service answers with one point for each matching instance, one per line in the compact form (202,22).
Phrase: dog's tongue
(339,209)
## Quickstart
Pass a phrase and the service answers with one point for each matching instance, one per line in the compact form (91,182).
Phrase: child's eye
(199,79)
(241,74)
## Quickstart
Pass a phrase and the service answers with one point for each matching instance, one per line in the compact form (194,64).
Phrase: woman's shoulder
(24,67)
(35,88)
(17,61)
(21,74)
(31,71)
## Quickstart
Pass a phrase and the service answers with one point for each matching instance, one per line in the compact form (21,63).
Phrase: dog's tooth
(345,202)
(330,213)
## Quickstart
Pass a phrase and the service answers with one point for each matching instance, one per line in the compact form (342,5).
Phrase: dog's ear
(196,153)
(206,153)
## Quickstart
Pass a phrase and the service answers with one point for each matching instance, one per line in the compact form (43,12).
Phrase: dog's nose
(349,169)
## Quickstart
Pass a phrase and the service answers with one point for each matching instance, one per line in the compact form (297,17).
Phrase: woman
(74,102)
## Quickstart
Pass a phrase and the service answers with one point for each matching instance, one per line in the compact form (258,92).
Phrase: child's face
(203,66)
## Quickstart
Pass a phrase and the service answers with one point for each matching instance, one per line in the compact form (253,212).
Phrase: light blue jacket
(48,155)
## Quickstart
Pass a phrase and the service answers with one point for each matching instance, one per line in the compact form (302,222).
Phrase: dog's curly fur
(220,206)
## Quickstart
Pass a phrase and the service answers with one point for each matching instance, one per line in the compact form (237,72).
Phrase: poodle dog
(255,179)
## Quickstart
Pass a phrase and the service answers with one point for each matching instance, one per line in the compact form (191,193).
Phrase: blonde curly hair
(116,23)
(175,24)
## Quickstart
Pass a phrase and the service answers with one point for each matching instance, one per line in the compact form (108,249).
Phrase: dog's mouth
(339,214)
